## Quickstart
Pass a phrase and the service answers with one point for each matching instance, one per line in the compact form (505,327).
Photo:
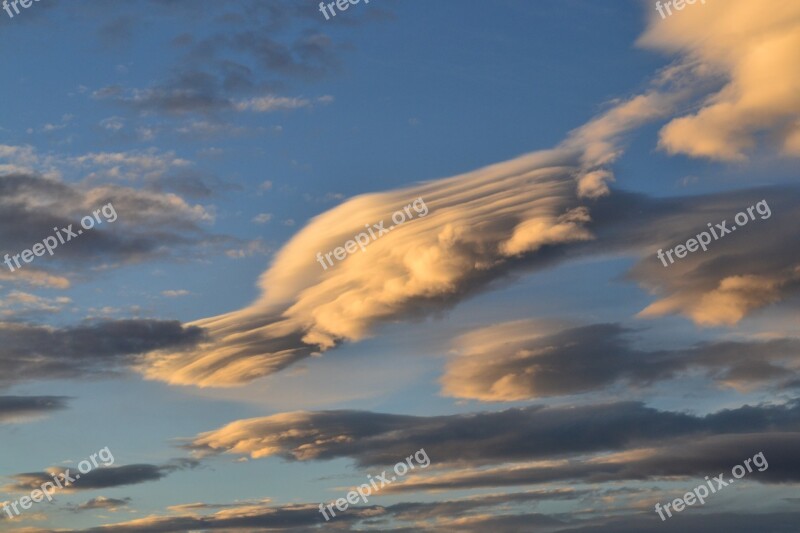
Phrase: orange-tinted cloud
(478,227)
(755,48)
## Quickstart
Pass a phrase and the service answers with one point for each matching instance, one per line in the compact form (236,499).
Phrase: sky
(292,250)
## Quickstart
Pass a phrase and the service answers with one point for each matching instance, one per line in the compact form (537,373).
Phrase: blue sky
(198,337)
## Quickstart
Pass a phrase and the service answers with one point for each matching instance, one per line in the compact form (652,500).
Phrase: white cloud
(262,218)
(270,103)
(175,293)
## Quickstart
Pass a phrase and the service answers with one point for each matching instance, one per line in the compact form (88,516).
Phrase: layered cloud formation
(529,433)
(480,226)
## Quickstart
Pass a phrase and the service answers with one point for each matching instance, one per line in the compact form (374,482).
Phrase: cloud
(103,477)
(461,507)
(756,52)
(15,409)
(35,278)
(746,270)
(208,128)
(482,226)
(501,513)
(291,517)
(147,165)
(270,103)
(32,352)
(113,124)
(148,225)
(188,91)
(251,248)
(194,508)
(237,65)
(17,304)
(101,502)
(733,521)
(533,359)
(686,458)
(65,120)
(302,517)
(157,170)
(175,293)
(529,433)
(262,218)
(438,258)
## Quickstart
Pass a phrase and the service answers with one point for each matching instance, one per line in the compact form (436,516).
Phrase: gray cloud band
(64,235)
(704,238)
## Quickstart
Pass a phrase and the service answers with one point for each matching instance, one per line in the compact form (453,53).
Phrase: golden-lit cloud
(496,363)
(727,304)
(529,359)
(739,274)
(474,228)
(755,48)
(35,278)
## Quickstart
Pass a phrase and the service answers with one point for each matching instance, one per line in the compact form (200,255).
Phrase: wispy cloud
(24,408)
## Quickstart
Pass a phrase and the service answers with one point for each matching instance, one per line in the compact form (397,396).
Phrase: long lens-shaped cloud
(475,228)
(478,226)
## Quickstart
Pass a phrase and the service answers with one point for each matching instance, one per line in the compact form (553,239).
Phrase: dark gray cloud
(306,517)
(103,477)
(749,268)
(187,91)
(21,407)
(259,48)
(732,522)
(101,502)
(118,30)
(191,184)
(527,364)
(695,457)
(412,511)
(520,434)
(148,224)
(264,518)
(31,352)
(455,516)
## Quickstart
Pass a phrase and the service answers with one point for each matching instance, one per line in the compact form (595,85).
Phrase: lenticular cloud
(480,225)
